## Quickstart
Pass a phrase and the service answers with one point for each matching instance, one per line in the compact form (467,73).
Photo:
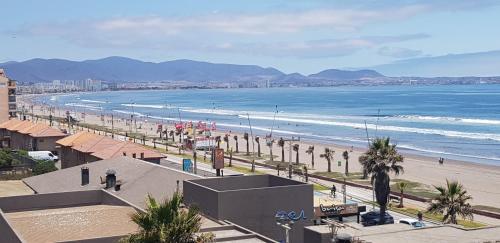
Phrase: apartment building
(7,97)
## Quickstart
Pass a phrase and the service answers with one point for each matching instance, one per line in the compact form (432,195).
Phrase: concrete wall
(45,143)
(314,236)
(17,141)
(4,99)
(50,200)
(253,208)
(7,234)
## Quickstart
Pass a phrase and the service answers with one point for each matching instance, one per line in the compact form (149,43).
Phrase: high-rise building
(7,97)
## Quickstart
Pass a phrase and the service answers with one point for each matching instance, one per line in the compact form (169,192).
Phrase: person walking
(333,191)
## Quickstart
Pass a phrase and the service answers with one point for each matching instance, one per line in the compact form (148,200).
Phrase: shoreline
(481,180)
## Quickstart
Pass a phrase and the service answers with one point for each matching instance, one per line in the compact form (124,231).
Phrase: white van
(43,155)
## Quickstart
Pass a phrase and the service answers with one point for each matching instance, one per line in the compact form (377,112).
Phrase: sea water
(451,121)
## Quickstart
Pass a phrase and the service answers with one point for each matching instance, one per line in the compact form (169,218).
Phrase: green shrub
(44,166)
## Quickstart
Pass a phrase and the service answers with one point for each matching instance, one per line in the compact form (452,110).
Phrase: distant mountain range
(121,69)
(204,74)
(452,65)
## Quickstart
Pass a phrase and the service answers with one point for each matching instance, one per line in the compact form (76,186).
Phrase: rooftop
(138,178)
(32,129)
(72,223)
(245,182)
(104,147)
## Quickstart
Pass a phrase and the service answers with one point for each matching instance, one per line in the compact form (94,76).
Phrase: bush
(6,158)
(44,166)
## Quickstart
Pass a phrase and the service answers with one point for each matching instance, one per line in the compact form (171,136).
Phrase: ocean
(457,122)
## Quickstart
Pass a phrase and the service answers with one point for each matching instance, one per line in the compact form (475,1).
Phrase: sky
(290,35)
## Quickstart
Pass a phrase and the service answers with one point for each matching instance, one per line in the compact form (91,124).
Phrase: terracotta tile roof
(48,132)
(104,147)
(15,126)
(9,123)
(33,128)
(75,139)
(129,148)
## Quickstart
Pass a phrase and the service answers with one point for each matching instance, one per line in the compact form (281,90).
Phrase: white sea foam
(129,113)
(411,147)
(447,133)
(450,119)
(83,105)
(262,129)
(94,101)
(145,106)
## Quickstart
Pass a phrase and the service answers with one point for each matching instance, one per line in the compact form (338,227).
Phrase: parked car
(373,218)
(413,222)
(43,155)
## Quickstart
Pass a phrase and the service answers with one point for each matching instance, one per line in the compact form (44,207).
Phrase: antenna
(274,119)
(253,143)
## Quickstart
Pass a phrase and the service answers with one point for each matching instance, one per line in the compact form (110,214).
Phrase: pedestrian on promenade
(333,191)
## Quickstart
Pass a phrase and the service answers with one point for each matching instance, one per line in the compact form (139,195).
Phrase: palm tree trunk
(297,157)
(312,159)
(283,154)
(347,167)
(271,152)
(248,152)
(227,145)
(258,149)
(401,199)
(329,165)
(237,150)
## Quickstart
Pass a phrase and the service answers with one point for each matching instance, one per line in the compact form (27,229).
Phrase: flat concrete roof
(245,182)
(396,233)
(138,178)
(14,188)
(73,223)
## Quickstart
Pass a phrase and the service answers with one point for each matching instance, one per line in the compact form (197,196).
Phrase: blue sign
(292,215)
(187,165)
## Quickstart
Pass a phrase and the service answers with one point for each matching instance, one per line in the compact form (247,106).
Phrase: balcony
(12,98)
(12,84)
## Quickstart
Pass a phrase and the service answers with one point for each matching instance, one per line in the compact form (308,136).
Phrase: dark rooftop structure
(137,178)
(253,202)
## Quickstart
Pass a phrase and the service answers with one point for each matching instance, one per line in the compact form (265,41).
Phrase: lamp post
(285,223)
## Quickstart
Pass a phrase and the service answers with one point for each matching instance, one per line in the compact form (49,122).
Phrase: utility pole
(112,126)
(290,144)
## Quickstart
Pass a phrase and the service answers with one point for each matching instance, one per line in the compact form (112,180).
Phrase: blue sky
(293,36)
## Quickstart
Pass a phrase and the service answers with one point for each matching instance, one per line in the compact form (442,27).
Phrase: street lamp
(284,222)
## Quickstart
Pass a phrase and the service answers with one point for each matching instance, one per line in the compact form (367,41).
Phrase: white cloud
(398,52)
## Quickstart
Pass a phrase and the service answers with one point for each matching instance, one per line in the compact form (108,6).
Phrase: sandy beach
(481,181)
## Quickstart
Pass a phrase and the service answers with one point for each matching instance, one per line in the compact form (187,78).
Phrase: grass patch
(353,176)
(318,187)
(414,188)
(486,208)
(243,170)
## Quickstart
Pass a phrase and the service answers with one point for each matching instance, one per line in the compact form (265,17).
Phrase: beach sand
(480,180)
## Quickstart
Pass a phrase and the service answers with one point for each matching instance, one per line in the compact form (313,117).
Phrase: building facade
(7,97)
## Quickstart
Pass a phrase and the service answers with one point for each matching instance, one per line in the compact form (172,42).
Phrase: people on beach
(441,160)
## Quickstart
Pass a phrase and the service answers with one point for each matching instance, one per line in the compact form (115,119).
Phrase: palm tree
(257,139)
(310,151)
(245,136)
(345,154)
(166,222)
(226,140)
(402,185)
(172,132)
(328,155)
(296,149)
(270,144)
(451,201)
(380,159)
(281,143)
(236,140)
(217,140)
